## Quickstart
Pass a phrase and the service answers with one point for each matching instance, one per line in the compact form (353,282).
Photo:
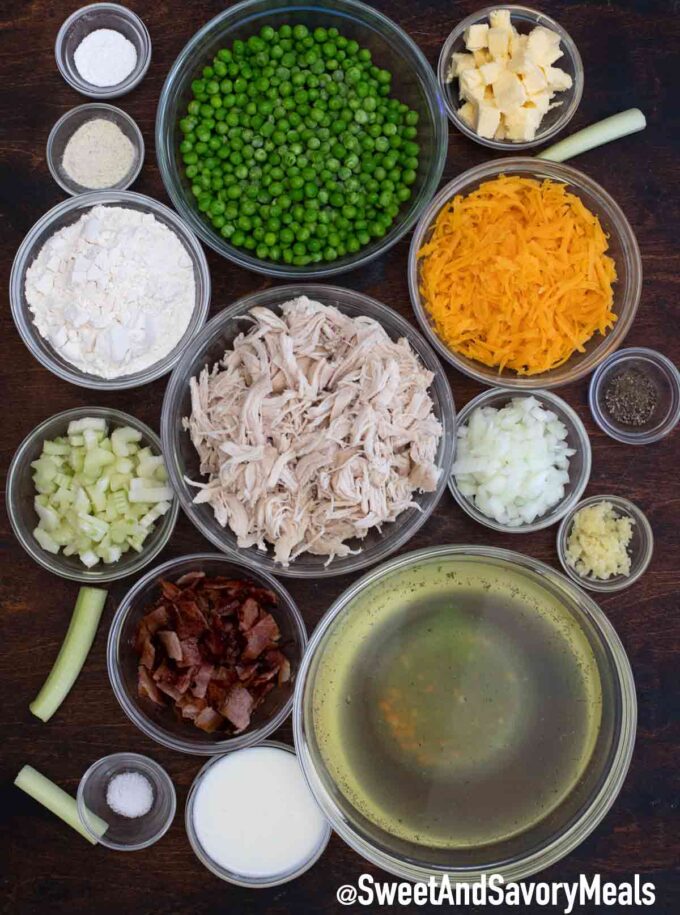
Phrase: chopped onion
(513,463)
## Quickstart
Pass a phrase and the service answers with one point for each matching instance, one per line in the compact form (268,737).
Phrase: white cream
(254,815)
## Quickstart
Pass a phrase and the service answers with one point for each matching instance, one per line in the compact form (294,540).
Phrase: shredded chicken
(314,428)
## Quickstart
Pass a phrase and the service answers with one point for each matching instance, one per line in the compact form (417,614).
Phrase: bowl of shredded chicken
(310,429)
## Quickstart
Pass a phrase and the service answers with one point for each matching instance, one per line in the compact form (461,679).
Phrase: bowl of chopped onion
(88,496)
(522,460)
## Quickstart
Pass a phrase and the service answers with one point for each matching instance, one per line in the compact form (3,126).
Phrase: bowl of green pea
(301,141)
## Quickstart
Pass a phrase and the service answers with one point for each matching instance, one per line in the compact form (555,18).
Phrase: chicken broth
(457,705)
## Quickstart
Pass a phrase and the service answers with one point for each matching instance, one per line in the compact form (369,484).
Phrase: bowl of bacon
(203,654)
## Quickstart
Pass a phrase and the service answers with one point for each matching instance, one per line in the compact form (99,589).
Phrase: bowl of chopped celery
(88,497)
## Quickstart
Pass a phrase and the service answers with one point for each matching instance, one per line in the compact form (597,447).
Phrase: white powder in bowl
(113,292)
(130,794)
(105,58)
(98,155)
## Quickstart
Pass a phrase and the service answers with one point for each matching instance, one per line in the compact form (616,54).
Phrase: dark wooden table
(630,54)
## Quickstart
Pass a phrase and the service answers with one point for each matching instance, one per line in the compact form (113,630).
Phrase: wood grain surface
(629,50)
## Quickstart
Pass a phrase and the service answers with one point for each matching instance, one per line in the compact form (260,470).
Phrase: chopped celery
(94,490)
(57,801)
(72,654)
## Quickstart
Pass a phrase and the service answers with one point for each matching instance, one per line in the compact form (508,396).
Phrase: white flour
(113,293)
(105,58)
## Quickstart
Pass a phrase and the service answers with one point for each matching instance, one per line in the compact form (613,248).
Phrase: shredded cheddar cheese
(516,275)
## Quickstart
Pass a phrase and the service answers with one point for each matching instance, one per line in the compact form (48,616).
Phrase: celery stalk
(613,128)
(41,789)
(75,647)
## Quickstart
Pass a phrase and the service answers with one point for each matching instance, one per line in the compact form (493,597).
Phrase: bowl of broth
(465,711)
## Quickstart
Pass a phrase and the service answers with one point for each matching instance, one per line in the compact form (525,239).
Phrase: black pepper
(631,397)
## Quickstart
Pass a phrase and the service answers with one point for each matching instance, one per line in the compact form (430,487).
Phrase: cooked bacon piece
(263,634)
(238,707)
(146,686)
(210,649)
(172,645)
(208,720)
(248,614)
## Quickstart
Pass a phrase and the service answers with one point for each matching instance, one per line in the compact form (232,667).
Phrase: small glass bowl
(183,462)
(89,19)
(222,872)
(579,463)
(21,493)
(66,213)
(667,380)
(67,125)
(640,548)
(126,833)
(524,20)
(623,248)
(161,724)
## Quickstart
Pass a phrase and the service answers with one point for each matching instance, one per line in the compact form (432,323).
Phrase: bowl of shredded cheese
(524,273)
(605,543)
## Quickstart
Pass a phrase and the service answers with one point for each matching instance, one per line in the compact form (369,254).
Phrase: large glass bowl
(623,248)
(21,494)
(413,83)
(66,213)
(162,724)
(584,805)
(182,458)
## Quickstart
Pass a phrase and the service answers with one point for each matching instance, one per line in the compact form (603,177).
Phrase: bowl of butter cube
(510,77)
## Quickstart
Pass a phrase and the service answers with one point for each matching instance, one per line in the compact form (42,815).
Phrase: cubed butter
(498,41)
(543,46)
(533,78)
(488,119)
(500,19)
(468,114)
(491,71)
(522,124)
(471,85)
(475,36)
(459,63)
(509,92)
(557,79)
(481,57)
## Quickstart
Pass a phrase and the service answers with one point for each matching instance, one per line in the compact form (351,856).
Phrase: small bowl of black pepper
(635,396)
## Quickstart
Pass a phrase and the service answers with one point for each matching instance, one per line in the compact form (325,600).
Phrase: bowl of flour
(108,288)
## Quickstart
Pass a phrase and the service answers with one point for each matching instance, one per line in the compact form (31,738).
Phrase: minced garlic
(597,545)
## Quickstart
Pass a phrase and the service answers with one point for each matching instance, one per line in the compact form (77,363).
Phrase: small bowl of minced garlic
(605,543)
(95,147)
(510,77)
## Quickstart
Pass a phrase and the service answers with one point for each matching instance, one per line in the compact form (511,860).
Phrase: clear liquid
(457,716)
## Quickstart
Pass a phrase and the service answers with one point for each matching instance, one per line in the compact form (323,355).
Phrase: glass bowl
(218,869)
(89,19)
(579,463)
(524,20)
(126,833)
(67,125)
(182,458)
(161,724)
(667,380)
(640,548)
(622,247)
(21,493)
(66,213)
(413,82)
(583,806)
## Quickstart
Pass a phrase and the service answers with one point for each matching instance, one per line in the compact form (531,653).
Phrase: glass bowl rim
(568,111)
(85,202)
(608,790)
(132,80)
(661,362)
(53,562)
(201,341)
(646,536)
(575,179)
(132,758)
(566,504)
(213,866)
(285,271)
(117,114)
(132,710)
